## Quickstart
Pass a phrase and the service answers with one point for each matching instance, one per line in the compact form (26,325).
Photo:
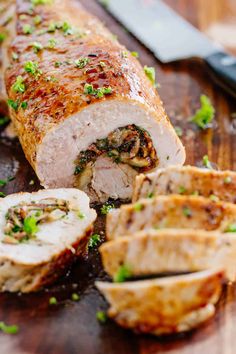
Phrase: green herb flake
(41,2)
(106,208)
(19,85)
(4,182)
(182,190)
(99,93)
(187,212)
(15,56)
(28,29)
(75,297)
(179,131)
(4,120)
(94,241)
(150,195)
(37,20)
(138,207)
(31,182)
(101,317)
(227,180)
(13,329)
(231,228)
(205,114)
(52,43)
(13,104)
(3,36)
(37,47)
(214,198)
(2,195)
(67,29)
(206,162)
(151,74)
(81,62)
(30,225)
(24,105)
(81,215)
(123,273)
(57,64)
(52,301)
(32,68)
(135,54)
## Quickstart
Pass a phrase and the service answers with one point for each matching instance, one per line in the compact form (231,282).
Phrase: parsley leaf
(122,274)
(151,74)
(94,241)
(4,120)
(37,47)
(9,329)
(19,85)
(106,208)
(101,316)
(32,68)
(30,225)
(205,114)
(206,162)
(81,62)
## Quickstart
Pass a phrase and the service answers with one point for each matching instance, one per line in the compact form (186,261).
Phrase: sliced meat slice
(166,305)
(155,252)
(173,211)
(77,95)
(41,234)
(187,180)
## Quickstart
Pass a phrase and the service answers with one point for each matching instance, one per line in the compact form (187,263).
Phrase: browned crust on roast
(50,103)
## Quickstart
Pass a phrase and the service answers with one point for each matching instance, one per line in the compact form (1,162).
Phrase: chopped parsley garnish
(138,207)
(214,198)
(13,104)
(30,225)
(53,300)
(4,120)
(75,297)
(99,92)
(52,43)
(231,228)
(32,68)
(227,180)
(150,195)
(2,195)
(187,212)
(179,131)
(206,162)
(151,74)
(37,47)
(3,36)
(41,2)
(15,56)
(81,215)
(122,274)
(57,64)
(94,241)
(205,114)
(67,29)
(13,329)
(106,208)
(28,29)
(101,316)
(135,54)
(182,190)
(24,105)
(81,62)
(37,20)
(19,85)
(4,182)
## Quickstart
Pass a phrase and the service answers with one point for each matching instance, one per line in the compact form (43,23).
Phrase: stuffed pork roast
(86,114)
(41,234)
(187,180)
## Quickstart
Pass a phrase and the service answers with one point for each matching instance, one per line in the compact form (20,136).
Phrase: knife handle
(223,66)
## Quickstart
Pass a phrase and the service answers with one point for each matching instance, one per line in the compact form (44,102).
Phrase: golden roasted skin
(173,211)
(58,92)
(187,180)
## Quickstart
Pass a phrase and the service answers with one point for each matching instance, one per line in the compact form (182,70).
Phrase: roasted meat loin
(41,234)
(85,112)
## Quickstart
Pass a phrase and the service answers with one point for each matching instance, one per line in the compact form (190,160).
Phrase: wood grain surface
(71,327)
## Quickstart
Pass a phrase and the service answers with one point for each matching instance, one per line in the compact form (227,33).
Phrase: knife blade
(170,37)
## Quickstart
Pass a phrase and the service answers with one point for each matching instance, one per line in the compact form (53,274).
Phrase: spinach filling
(23,219)
(130,145)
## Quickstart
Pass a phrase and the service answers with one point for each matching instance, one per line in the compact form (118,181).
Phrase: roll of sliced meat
(164,306)
(41,234)
(86,114)
(187,180)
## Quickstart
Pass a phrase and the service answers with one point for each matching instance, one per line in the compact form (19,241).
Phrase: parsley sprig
(205,114)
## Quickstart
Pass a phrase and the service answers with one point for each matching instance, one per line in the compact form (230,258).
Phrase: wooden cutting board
(71,327)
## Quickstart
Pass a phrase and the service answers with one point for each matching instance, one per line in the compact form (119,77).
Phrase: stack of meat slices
(181,237)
